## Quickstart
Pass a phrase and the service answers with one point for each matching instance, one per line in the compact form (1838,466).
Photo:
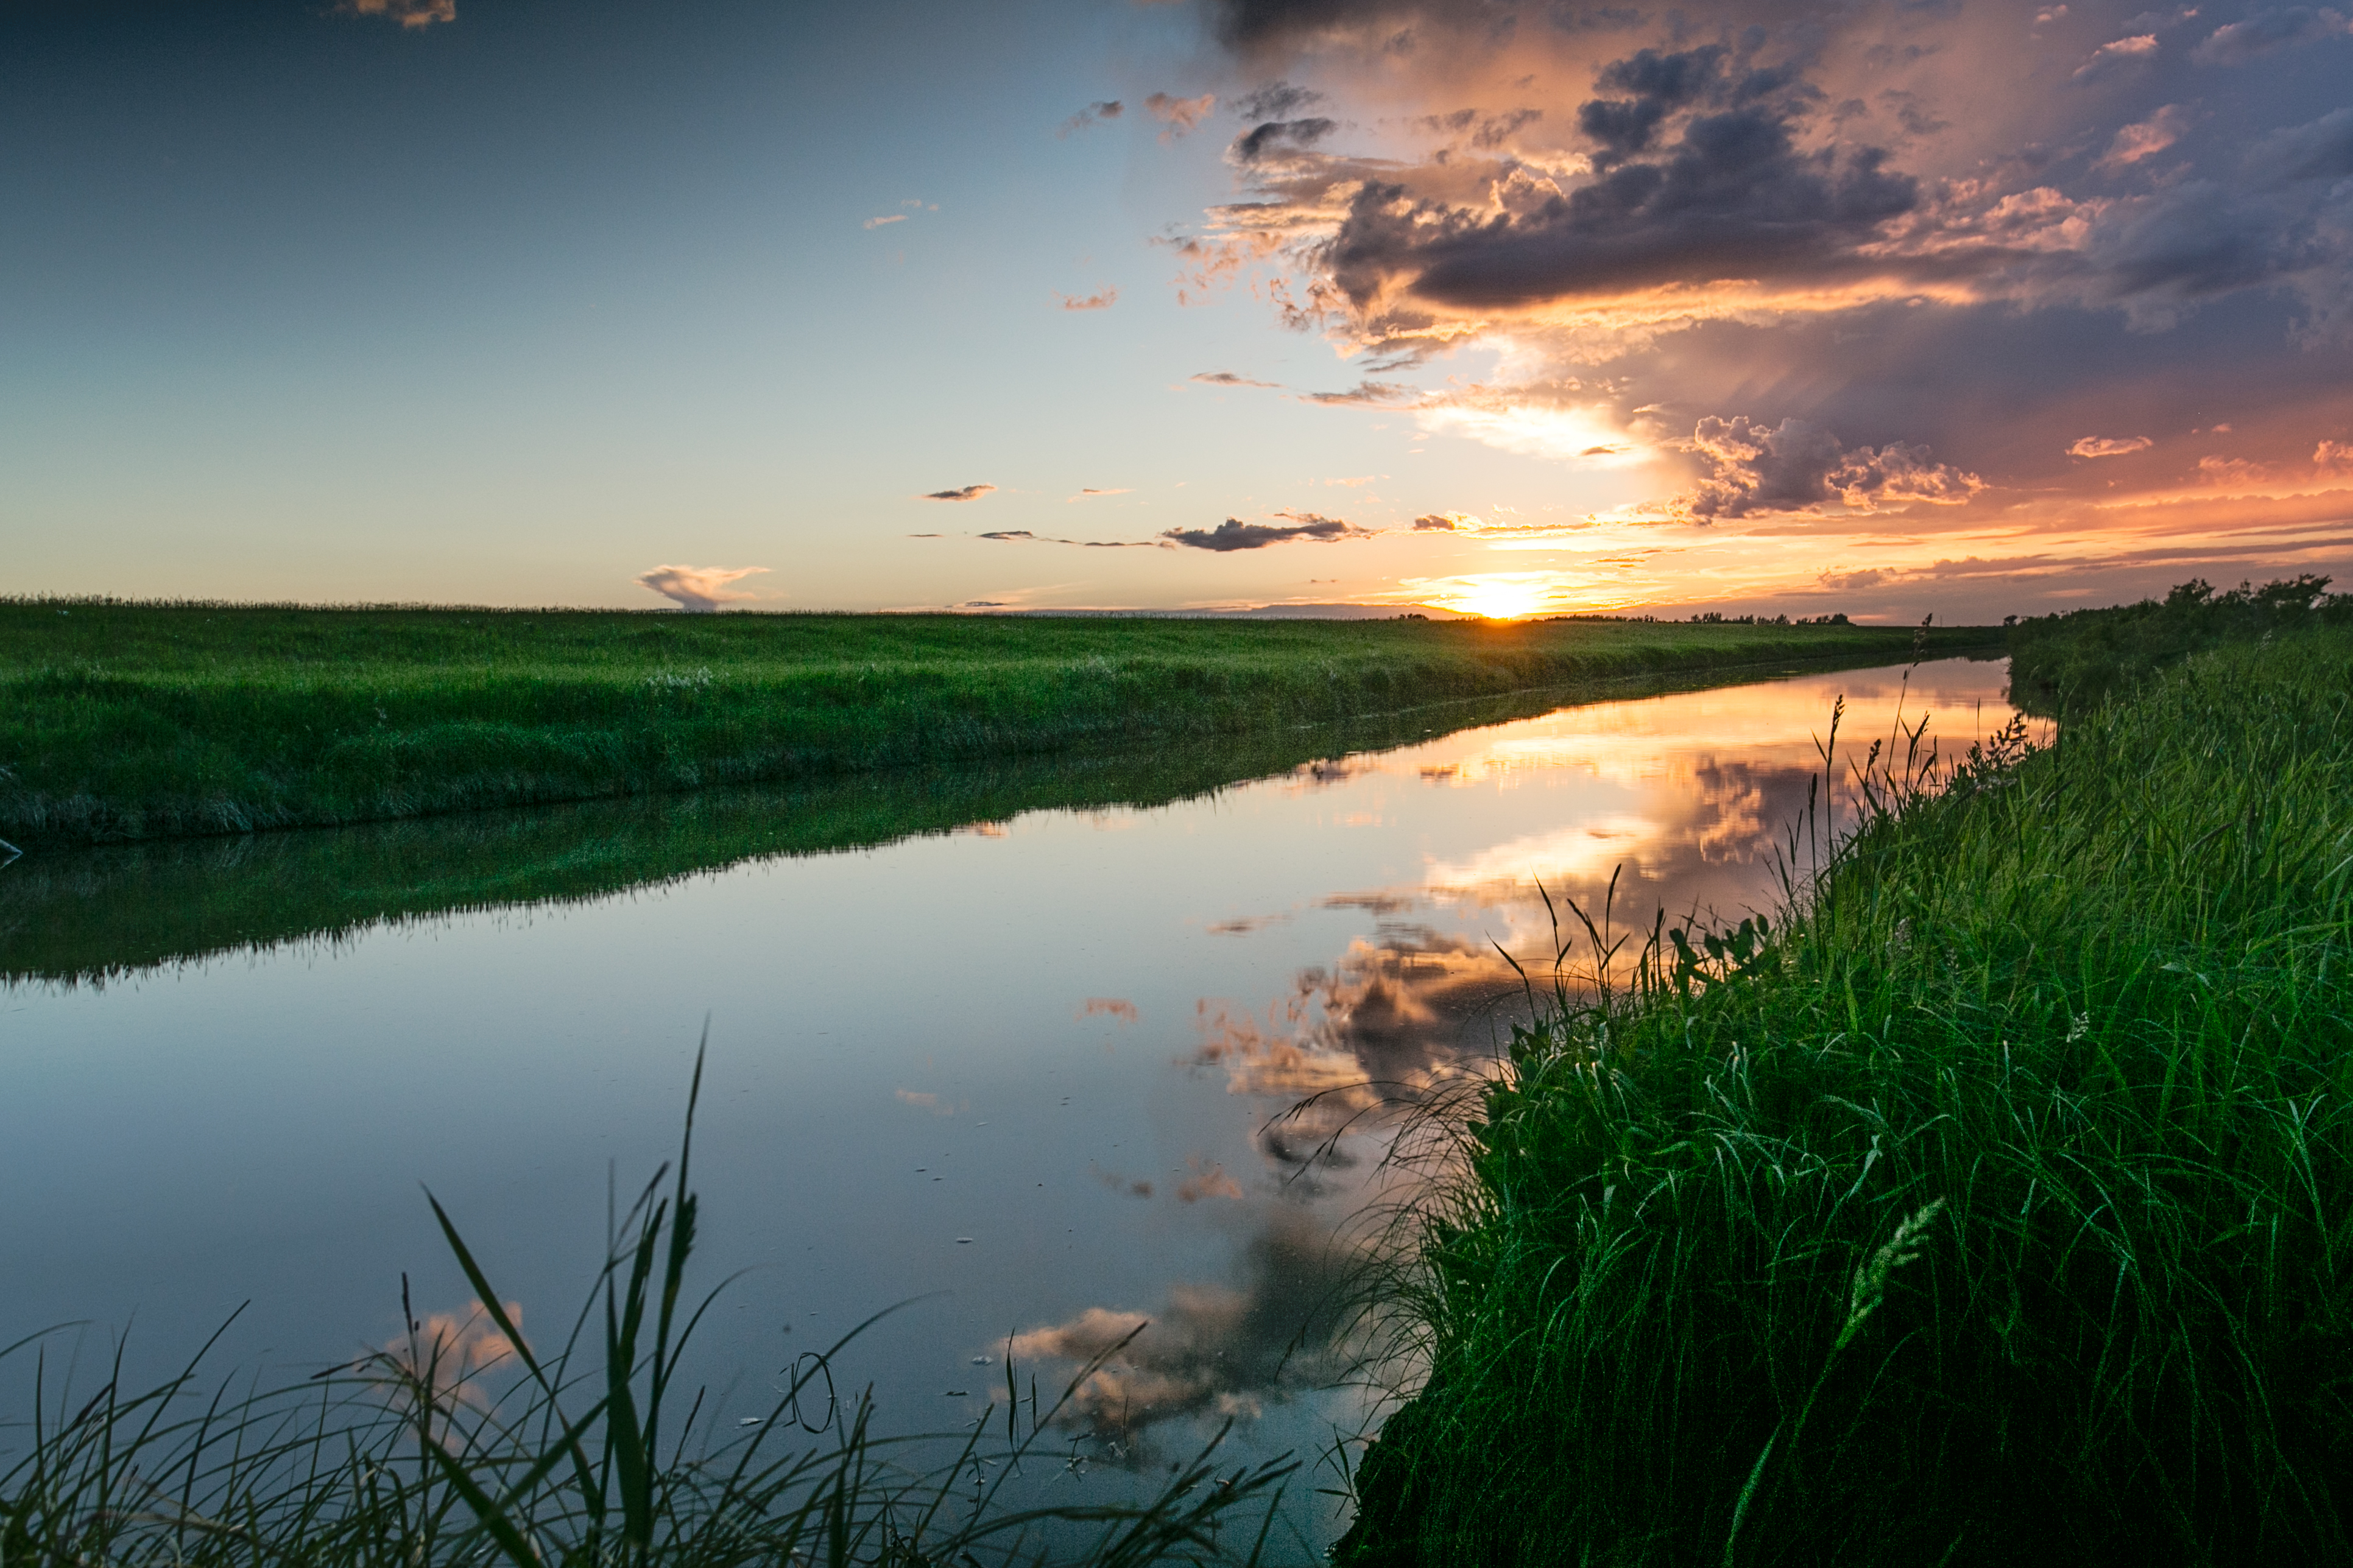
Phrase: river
(1035,1074)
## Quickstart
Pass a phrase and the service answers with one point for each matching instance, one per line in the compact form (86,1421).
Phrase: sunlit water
(1029,1075)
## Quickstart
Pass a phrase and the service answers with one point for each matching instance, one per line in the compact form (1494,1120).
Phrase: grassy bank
(94,912)
(1997,1208)
(122,721)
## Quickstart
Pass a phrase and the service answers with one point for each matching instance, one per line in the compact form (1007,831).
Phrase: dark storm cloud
(1998,228)
(969,492)
(1275,134)
(1729,194)
(1235,534)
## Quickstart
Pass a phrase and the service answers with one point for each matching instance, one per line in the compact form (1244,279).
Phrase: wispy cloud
(1178,114)
(1228,378)
(969,492)
(1102,299)
(2109,445)
(1083,495)
(1024,536)
(698,587)
(887,217)
(408,13)
(1092,114)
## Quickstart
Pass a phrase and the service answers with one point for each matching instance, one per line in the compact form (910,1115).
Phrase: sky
(1885,307)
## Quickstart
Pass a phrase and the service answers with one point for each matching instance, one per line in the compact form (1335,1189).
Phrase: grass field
(1994,1206)
(128,720)
(104,911)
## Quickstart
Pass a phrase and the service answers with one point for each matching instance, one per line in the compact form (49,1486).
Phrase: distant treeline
(2073,661)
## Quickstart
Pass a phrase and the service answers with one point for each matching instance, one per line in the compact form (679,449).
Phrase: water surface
(1030,1065)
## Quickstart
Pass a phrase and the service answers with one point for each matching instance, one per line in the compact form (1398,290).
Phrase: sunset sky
(1888,307)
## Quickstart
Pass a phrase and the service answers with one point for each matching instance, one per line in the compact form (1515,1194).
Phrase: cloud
(1907,230)
(1208,1179)
(1275,100)
(2118,54)
(2146,138)
(1092,114)
(1179,115)
(2322,149)
(1228,378)
(889,217)
(1216,1349)
(1729,194)
(2236,42)
(1277,134)
(969,492)
(1116,1007)
(1235,534)
(1797,465)
(697,587)
(1444,522)
(1083,495)
(1364,395)
(2109,445)
(408,13)
(1023,536)
(1102,299)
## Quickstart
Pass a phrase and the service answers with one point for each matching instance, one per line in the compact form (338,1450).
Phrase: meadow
(139,721)
(1988,1204)
(109,911)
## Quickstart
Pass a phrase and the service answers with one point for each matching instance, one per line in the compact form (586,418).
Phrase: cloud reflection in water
(1687,799)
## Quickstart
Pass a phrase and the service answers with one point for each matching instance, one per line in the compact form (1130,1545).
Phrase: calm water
(1032,1070)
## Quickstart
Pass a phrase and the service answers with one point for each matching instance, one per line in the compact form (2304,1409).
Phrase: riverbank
(122,722)
(1992,1208)
(99,912)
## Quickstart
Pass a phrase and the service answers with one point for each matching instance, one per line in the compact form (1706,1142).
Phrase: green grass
(592,1451)
(1993,1205)
(2070,662)
(128,720)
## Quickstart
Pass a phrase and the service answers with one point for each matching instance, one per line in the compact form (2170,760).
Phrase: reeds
(1994,1204)
(423,1454)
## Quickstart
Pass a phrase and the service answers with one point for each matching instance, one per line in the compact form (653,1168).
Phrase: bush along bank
(2070,662)
(1993,1205)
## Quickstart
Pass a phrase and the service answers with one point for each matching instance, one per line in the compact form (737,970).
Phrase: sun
(1503,597)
